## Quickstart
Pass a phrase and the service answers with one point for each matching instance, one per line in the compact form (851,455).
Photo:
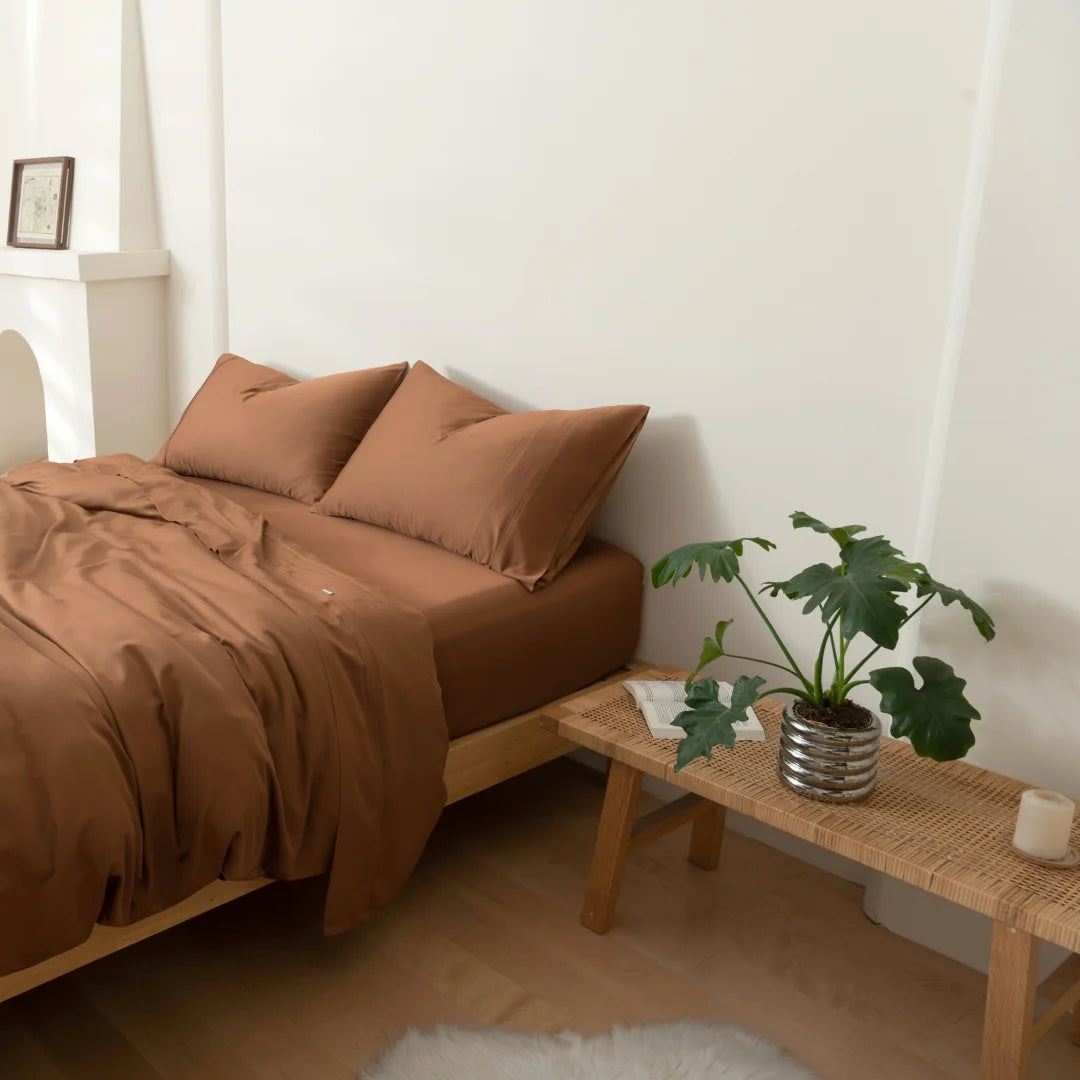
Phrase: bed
(499,649)
(499,653)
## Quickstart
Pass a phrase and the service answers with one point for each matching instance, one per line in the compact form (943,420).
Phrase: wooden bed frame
(474,762)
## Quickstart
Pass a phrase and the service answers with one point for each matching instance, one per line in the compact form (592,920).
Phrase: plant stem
(836,690)
(819,694)
(876,648)
(776,637)
(787,690)
(758,660)
(911,615)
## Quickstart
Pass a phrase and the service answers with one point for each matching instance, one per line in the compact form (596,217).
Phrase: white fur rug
(687,1050)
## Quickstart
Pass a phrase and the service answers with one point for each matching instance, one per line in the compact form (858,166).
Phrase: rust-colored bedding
(499,649)
(184,694)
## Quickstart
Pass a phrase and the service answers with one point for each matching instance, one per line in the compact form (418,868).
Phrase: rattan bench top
(946,828)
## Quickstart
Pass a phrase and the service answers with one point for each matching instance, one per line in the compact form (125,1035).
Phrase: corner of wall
(928,920)
(137,190)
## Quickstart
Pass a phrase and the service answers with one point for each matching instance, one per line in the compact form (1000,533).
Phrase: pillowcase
(513,491)
(255,426)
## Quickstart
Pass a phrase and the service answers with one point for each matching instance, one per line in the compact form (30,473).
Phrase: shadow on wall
(22,403)
(497,394)
(666,496)
(1026,682)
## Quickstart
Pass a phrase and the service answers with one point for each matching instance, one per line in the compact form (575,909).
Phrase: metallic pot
(826,763)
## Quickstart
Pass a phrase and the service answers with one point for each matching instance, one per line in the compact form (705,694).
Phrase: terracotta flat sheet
(183,695)
(499,649)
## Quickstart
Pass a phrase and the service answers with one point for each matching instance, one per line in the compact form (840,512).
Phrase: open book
(661,701)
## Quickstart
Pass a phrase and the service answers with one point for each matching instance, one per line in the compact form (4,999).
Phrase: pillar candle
(1043,824)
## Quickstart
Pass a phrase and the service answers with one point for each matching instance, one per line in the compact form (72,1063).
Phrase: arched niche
(23,434)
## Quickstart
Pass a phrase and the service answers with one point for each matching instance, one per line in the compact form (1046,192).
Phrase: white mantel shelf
(82,265)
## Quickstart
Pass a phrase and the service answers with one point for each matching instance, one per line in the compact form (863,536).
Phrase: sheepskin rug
(687,1050)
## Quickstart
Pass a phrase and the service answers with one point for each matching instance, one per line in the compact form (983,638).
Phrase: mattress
(499,649)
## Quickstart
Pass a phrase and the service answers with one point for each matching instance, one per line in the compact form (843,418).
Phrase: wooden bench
(946,828)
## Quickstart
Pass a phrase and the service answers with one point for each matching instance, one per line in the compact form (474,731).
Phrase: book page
(642,690)
(663,712)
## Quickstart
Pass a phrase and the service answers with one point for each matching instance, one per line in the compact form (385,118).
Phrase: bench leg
(707,836)
(612,844)
(1010,1004)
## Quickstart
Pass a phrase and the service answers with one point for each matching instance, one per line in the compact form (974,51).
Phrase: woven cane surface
(946,828)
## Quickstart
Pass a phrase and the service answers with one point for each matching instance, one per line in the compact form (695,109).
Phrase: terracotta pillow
(255,426)
(513,491)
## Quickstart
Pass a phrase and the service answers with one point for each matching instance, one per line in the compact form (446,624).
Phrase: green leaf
(947,594)
(712,648)
(907,573)
(702,692)
(936,716)
(719,557)
(842,534)
(708,723)
(805,583)
(862,587)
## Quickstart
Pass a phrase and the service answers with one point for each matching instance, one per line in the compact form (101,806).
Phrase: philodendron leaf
(712,648)
(720,558)
(702,692)
(947,594)
(842,534)
(863,587)
(707,722)
(805,583)
(935,716)
(906,573)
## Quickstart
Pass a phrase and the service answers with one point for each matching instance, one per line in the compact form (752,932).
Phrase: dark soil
(847,716)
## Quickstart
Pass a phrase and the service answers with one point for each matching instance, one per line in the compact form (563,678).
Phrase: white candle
(1044,823)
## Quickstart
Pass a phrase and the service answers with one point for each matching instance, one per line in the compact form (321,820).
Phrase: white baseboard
(939,924)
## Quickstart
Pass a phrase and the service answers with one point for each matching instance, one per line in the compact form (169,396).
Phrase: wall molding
(83,265)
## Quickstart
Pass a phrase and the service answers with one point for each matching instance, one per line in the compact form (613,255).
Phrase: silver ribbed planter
(826,763)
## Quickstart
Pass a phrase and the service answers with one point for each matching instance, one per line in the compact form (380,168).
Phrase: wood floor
(487,933)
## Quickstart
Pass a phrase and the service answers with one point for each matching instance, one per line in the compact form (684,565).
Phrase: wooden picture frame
(39,215)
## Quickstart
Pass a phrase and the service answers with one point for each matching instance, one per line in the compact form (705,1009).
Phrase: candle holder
(1069,862)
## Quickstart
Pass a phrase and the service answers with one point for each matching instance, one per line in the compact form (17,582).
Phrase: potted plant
(828,744)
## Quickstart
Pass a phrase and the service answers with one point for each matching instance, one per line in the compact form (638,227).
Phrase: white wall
(742,214)
(183,71)
(45,114)
(1008,518)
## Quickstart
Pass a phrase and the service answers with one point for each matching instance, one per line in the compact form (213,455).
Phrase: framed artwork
(40,202)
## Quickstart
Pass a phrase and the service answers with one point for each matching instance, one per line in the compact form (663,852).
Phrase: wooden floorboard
(487,933)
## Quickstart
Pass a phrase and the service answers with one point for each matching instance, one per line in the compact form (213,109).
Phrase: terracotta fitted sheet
(499,649)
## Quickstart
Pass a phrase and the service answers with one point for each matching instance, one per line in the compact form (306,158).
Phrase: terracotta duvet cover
(185,695)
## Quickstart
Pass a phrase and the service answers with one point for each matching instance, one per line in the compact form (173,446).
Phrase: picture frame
(40,212)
